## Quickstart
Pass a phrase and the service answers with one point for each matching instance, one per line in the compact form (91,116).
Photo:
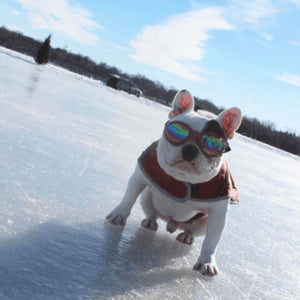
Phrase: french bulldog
(183,178)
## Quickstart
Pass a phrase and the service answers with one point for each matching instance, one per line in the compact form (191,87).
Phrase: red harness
(219,186)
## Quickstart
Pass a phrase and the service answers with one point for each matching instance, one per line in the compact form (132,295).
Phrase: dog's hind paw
(206,269)
(172,226)
(185,237)
(116,219)
(150,223)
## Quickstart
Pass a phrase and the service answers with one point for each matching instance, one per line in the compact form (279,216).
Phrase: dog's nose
(189,152)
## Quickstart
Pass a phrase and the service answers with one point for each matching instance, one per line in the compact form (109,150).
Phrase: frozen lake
(68,147)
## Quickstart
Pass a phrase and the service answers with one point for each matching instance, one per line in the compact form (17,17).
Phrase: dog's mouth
(186,167)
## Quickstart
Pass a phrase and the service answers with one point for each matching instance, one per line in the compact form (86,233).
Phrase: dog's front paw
(150,223)
(116,219)
(206,269)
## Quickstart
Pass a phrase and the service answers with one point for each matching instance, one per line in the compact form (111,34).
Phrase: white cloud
(294,43)
(120,47)
(289,78)
(62,16)
(14,28)
(252,12)
(268,37)
(178,43)
(296,2)
(15,12)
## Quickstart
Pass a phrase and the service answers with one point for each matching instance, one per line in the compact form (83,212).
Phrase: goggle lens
(176,133)
(212,145)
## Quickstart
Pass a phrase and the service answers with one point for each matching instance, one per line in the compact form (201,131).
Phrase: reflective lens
(212,145)
(176,133)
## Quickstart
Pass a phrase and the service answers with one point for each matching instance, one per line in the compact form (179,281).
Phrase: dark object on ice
(123,84)
(43,52)
(112,81)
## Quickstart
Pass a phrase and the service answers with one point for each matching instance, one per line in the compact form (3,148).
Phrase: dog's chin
(186,168)
(185,171)
(188,172)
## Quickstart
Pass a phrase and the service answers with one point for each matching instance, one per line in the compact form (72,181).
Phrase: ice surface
(68,147)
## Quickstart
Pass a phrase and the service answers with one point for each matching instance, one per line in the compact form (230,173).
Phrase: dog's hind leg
(151,214)
(172,225)
(192,228)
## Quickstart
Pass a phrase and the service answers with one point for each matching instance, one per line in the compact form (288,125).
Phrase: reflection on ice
(34,80)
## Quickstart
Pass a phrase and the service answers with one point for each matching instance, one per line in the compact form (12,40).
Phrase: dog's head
(193,143)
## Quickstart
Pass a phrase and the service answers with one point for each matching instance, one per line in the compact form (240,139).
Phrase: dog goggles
(211,144)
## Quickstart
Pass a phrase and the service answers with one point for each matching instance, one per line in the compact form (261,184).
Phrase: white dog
(184,179)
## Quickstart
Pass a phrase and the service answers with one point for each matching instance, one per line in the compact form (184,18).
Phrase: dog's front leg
(216,222)
(135,186)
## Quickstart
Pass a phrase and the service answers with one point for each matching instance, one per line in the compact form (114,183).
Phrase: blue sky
(233,52)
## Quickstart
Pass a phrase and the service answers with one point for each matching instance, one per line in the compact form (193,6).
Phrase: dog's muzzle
(189,152)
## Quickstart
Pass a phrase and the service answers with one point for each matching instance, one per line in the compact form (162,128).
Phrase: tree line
(154,90)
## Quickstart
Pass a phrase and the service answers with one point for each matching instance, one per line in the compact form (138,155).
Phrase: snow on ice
(68,147)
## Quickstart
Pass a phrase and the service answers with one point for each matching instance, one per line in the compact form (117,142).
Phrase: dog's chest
(178,211)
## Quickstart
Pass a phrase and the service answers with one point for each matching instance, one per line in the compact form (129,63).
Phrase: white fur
(156,204)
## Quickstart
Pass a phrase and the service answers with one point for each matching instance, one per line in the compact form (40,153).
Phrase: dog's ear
(182,102)
(230,120)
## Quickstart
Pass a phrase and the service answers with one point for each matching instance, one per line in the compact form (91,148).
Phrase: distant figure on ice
(43,52)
